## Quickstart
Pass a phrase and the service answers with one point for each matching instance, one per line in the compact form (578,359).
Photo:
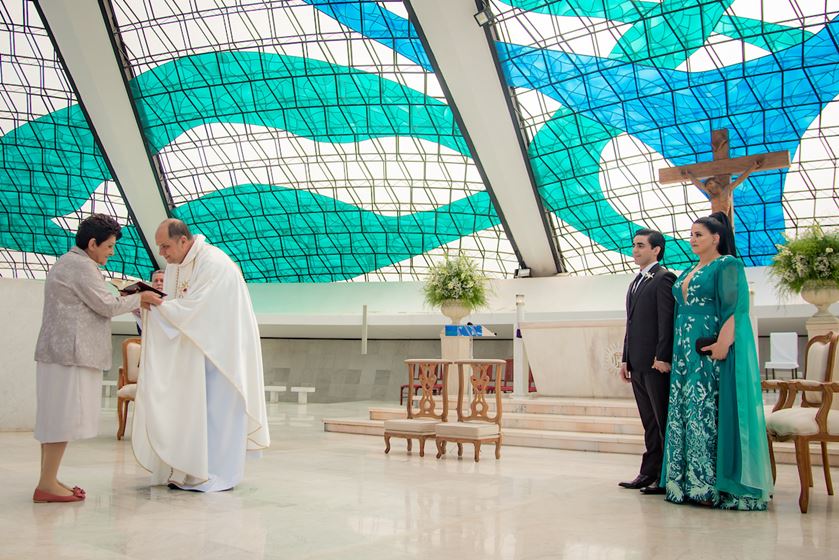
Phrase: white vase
(822,295)
(454,310)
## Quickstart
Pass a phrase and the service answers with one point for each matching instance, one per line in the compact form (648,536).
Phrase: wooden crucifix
(717,173)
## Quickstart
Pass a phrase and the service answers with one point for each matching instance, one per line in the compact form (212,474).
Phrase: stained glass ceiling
(610,91)
(307,149)
(53,173)
(312,140)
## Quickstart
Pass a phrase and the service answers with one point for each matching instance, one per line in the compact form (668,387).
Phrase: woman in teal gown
(716,452)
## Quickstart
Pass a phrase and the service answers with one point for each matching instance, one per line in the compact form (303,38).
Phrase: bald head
(174,240)
(174,228)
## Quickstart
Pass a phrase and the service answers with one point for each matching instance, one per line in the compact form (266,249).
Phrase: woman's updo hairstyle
(718,223)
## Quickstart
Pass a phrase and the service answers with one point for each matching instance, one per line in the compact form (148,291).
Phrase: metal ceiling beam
(84,40)
(462,53)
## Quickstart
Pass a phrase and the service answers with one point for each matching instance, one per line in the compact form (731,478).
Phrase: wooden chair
(817,362)
(507,383)
(783,354)
(818,366)
(812,420)
(507,379)
(420,424)
(127,381)
(413,387)
(478,426)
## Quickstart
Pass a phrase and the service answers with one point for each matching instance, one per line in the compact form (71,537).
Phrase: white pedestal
(817,326)
(455,347)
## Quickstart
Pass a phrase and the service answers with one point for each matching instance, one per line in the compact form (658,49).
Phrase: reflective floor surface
(326,495)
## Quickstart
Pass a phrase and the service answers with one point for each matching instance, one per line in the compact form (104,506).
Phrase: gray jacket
(76,323)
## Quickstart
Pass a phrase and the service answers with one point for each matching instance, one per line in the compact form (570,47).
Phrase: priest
(200,404)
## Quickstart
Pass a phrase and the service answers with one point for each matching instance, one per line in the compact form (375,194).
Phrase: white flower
(647,275)
(455,278)
(822,266)
(828,250)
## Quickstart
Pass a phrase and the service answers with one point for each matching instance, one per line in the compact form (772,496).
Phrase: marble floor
(327,495)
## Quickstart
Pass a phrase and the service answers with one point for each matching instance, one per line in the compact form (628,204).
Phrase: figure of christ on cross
(717,173)
(721,194)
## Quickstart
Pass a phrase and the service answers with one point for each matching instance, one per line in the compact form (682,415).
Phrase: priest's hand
(147,299)
(663,367)
(624,373)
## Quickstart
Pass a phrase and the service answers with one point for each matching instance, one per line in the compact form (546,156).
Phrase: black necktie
(636,283)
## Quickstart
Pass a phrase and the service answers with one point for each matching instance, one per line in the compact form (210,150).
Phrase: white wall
(396,309)
(21,303)
(333,311)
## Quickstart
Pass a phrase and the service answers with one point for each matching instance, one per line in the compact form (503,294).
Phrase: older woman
(74,346)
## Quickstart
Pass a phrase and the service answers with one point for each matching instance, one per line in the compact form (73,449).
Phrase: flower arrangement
(809,260)
(456,279)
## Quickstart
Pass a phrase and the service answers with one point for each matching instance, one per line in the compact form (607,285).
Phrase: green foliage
(812,257)
(456,278)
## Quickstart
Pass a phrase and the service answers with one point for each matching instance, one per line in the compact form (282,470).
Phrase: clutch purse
(702,342)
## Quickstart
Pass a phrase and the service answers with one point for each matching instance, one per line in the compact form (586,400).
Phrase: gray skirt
(69,399)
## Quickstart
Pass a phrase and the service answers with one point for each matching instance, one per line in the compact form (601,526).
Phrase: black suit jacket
(649,321)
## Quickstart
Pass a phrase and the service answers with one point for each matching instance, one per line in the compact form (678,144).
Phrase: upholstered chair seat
(468,429)
(128,392)
(414,426)
(800,422)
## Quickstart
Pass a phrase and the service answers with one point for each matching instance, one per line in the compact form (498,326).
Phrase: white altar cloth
(576,358)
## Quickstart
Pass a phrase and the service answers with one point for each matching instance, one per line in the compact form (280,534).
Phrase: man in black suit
(648,350)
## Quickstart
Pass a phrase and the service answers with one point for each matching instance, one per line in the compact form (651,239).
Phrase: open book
(140,286)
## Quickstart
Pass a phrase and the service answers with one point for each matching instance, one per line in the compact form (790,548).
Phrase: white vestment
(200,396)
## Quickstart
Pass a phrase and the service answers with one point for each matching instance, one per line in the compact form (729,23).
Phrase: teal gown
(715,444)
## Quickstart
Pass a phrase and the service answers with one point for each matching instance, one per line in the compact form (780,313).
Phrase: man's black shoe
(640,481)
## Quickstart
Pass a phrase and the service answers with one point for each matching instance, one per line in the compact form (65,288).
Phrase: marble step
(569,406)
(614,443)
(550,422)
(359,426)
(574,441)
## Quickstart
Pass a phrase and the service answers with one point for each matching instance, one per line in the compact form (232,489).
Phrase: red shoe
(41,497)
